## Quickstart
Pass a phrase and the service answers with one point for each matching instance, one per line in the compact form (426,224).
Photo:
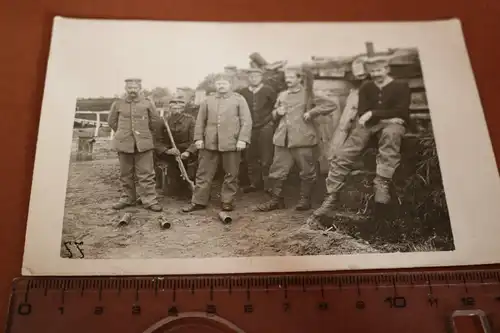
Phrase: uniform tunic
(135,121)
(182,128)
(223,120)
(296,138)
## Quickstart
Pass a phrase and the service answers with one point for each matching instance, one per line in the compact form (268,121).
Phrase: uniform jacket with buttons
(261,103)
(182,127)
(135,121)
(293,131)
(223,120)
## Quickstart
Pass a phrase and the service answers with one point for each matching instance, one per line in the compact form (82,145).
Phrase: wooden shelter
(339,78)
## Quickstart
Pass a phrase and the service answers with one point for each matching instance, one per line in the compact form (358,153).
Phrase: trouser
(140,166)
(283,161)
(176,184)
(259,154)
(388,158)
(208,162)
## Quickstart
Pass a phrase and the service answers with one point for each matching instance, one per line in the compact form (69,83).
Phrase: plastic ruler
(420,302)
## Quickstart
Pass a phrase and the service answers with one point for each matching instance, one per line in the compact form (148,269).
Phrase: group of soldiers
(272,132)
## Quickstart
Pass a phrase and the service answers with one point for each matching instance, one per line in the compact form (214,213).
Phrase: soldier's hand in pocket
(185,155)
(173,151)
(240,145)
(199,144)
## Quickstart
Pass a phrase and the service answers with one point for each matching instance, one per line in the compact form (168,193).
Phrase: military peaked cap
(223,77)
(133,79)
(254,70)
(377,61)
(296,69)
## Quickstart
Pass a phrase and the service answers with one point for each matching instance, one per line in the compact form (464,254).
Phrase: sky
(100,54)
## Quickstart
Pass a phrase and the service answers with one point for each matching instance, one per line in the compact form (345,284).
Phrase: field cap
(295,69)
(230,68)
(377,61)
(134,80)
(223,77)
(178,98)
(254,70)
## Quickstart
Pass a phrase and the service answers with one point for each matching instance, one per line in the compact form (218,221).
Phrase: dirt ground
(93,187)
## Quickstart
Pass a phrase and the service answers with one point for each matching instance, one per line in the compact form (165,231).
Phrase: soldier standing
(294,141)
(135,120)
(383,112)
(181,126)
(259,155)
(223,130)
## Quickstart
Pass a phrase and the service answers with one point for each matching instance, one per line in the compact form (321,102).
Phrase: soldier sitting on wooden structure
(383,111)
(135,120)
(181,126)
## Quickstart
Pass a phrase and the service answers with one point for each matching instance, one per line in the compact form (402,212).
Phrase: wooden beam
(370,49)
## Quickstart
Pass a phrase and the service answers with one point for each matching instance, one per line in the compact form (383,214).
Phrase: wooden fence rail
(98,122)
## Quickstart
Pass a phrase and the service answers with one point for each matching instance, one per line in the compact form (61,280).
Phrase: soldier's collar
(387,80)
(132,99)
(226,95)
(294,90)
(255,89)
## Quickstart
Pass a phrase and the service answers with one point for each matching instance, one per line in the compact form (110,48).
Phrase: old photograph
(216,140)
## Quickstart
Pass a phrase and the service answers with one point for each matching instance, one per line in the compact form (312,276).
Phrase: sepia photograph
(222,141)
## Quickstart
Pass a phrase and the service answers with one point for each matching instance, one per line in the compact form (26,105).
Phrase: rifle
(184,174)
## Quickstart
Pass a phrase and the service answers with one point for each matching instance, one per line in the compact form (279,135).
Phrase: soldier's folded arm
(201,120)
(245,121)
(323,106)
(402,94)
(113,117)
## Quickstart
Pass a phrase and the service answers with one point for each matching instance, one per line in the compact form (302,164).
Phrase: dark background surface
(25,35)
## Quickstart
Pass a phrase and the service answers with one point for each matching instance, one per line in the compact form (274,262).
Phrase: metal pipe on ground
(164,224)
(225,218)
(125,220)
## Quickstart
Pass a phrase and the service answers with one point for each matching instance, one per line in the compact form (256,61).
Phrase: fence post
(98,124)
(85,146)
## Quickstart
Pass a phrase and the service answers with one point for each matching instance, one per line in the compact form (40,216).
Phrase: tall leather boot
(304,203)
(328,206)
(276,201)
(381,187)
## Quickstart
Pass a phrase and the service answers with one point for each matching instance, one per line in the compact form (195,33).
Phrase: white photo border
(469,171)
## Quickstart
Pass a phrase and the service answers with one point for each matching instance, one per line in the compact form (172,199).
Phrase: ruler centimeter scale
(430,302)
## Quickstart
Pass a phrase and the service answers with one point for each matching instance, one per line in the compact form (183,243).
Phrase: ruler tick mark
(63,291)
